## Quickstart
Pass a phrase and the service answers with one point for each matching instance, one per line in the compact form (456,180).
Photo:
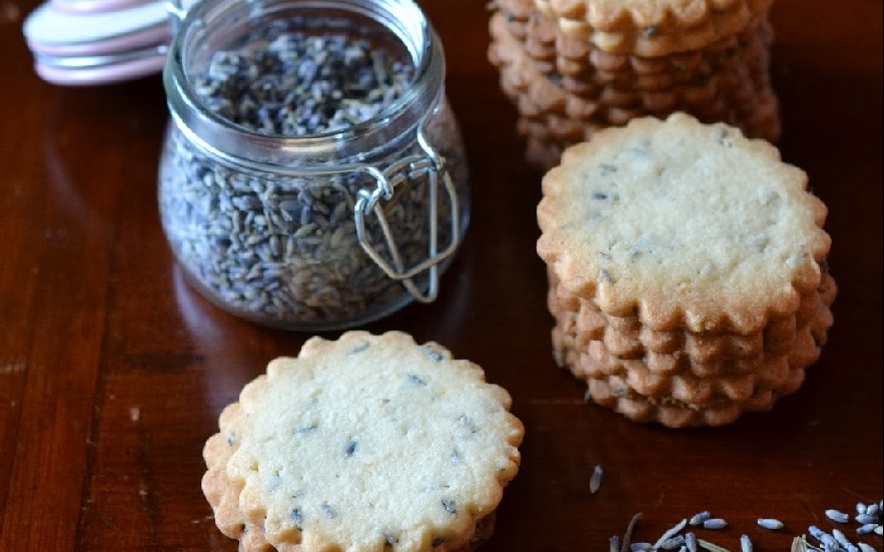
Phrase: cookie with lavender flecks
(367,443)
(687,270)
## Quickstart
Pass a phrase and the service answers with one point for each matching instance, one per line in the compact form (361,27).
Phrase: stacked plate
(84,42)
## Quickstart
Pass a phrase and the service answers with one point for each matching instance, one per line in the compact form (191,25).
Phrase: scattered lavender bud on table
(872,510)
(878,530)
(770,523)
(745,543)
(714,523)
(699,518)
(866,547)
(816,532)
(840,537)
(690,542)
(837,516)
(844,541)
(595,481)
(672,532)
(672,543)
(640,547)
(866,529)
(864,518)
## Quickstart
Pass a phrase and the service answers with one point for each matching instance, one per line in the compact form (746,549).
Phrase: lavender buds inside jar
(312,175)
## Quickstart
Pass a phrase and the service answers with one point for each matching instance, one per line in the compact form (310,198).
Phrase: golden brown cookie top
(366,443)
(653,28)
(686,225)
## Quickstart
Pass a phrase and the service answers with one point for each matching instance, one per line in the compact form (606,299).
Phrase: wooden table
(113,371)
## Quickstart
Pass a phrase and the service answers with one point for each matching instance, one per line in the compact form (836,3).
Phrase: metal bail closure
(405,172)
(177,13)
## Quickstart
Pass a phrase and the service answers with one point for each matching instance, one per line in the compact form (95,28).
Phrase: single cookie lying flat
(367,443)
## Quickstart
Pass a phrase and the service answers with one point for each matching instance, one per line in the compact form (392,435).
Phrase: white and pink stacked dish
(85,42)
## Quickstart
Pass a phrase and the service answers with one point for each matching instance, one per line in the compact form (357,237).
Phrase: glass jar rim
(401,19)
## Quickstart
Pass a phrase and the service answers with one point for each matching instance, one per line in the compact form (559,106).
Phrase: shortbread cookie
(686,268)
(684,224)
(367,443)
(653,28)
(669,351)
(563,99)
(573,56)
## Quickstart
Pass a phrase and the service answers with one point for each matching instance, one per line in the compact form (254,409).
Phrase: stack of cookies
(687,270)
(573,67)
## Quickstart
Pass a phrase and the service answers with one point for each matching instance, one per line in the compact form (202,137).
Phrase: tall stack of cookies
(687,270)
(573,67)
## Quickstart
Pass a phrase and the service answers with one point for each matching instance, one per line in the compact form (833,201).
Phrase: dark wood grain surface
(113,371)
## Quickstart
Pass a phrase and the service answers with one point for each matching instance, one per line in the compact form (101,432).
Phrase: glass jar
(324,230)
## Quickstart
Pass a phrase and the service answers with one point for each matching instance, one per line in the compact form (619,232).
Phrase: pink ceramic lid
(94,6)
(100,74)
(101,69)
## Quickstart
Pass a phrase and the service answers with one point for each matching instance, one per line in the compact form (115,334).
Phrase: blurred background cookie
(551,73)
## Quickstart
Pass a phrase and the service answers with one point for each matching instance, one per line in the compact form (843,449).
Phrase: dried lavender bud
(866,547)
(745,543)
(595,481)
(841,538)
(878,530)
(690,542)
(866,529)
(300,84)
(672,532)
(714,523)
(872,510)
(672,543)
(860,508)
(770,523)
(640,547)
(826,539)
(700,518)
(837,516)
(866,518)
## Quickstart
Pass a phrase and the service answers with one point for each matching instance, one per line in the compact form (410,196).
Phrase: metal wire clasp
(369,202)
(177,10)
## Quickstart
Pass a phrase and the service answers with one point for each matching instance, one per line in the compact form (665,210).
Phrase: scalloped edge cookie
(306,459)
(684,224)
(652,28)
